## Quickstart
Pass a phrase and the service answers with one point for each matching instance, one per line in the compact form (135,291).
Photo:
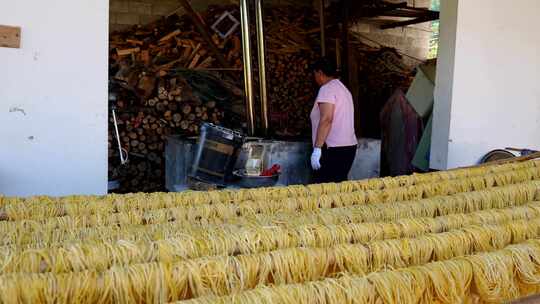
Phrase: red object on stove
(272,171)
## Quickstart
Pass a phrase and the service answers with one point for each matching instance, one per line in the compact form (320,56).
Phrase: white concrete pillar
(444,85)
(487,94)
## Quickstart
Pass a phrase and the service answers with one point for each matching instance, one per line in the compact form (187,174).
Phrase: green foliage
(434,41)
(435,5)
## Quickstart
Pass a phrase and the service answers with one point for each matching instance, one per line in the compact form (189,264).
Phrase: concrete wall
(126,13)
(53,98)
(293,157)
(412,40)
(367,163)
(495,99)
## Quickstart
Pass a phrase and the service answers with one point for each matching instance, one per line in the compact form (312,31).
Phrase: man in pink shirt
(332,125)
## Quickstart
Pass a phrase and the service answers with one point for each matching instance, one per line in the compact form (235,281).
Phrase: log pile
(164,79)
(380,73)
(157,97)
(143,130)
(291,93)
(376,73)
(292,40)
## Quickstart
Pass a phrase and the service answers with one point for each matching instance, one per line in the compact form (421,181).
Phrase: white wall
(53,98)
(495,97)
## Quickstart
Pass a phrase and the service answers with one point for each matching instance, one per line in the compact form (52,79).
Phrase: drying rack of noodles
(470,235)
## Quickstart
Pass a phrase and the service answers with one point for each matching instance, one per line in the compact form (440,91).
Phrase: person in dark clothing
(332,123)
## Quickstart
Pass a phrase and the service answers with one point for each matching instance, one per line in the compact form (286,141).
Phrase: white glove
(316,158)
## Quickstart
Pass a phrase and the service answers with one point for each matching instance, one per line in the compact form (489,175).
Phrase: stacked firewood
(292,40)
(166,82)
(291,93)
(162,91)
(143,130)
(380,72)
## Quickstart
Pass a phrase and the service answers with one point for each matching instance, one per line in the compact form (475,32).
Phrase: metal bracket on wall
(232,28)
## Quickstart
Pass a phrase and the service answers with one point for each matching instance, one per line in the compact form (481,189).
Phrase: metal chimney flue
(248,72)
(259,16)
(248,69)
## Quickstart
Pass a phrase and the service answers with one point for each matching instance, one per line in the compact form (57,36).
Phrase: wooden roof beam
(426,18)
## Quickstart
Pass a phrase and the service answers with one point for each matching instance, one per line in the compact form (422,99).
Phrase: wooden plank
(194,53)
(170,35)
(166,66)
(133,41)
(145,57)
(194,62)
(10,36)
(408,22)
(127,52)
(201,27)
(187,53)
(205,63)
(344,68)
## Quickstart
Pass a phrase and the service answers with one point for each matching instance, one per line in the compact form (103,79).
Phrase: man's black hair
(325,65)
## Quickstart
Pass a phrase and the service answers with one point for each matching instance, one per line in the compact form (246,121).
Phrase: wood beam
(408,22)
(345,41)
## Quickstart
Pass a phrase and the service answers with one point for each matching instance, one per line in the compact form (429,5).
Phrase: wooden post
(323,27)
(338,53)
(345,6)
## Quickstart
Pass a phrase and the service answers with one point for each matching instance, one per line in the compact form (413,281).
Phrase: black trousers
(336,163)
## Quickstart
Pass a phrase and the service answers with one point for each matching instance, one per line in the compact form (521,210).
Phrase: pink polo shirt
(342,132)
